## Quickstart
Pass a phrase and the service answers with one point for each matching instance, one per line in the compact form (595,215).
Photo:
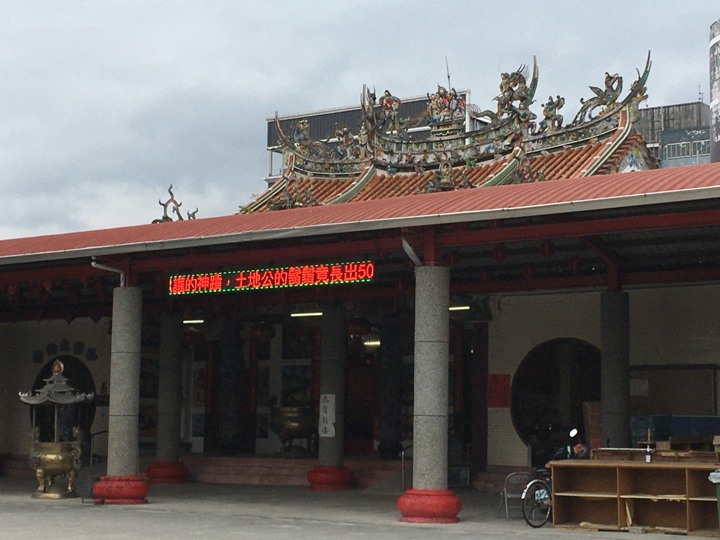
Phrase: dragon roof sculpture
(511,141)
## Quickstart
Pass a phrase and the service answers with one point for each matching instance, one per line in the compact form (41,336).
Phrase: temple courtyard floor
(218,511)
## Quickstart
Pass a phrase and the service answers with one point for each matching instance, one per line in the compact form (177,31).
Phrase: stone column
(330,474)
(429,501)
(123,485)
(168,468)
(615,367)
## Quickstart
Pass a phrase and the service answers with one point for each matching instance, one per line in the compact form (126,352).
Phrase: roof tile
(311,219)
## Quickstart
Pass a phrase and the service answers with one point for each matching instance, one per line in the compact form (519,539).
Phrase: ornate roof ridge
(385,138)
(451,139)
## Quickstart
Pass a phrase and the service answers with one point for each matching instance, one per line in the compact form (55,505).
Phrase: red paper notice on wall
(499,391)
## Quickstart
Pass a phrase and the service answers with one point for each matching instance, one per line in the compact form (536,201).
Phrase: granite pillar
(167,467)
(123,485)
(615,368)
(330,474)
(429,501)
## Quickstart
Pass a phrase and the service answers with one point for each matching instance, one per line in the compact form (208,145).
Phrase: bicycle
(537,499)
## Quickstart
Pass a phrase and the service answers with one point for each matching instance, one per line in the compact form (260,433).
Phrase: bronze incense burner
(291,423)
(56,458)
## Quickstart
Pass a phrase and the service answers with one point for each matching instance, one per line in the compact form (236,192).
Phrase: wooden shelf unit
(615,495)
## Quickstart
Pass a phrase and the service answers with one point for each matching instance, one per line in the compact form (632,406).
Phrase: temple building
(389,148)
(422,273)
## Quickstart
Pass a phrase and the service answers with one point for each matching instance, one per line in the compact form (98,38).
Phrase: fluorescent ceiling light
(193,321)
(459,308)
(307,314)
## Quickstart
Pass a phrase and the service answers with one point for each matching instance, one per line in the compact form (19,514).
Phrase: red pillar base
(120,490)
(167,472)
(323,478)
(429,506)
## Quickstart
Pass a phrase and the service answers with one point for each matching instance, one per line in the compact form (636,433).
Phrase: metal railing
(402,464)
(463,470)
(92,445)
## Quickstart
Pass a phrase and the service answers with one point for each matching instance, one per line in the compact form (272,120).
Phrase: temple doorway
(360,401)
(548,391)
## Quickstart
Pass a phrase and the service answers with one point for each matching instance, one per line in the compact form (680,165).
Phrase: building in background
(687,133)
(715,88)
(677,134)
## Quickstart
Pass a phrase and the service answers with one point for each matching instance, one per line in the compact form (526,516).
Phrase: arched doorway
(548,391)
(80,415)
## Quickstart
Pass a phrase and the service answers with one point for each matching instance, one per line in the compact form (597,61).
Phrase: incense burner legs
(51,460)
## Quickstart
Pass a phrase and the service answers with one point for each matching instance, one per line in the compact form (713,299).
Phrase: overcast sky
(104,104)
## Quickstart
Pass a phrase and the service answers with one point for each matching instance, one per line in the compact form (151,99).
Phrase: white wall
(519,324)
(679,325)
(675,326)
(18,343)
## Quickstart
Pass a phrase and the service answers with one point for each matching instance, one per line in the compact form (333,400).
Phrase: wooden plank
(681,465)
(587,494)
(664,530)
(589,526)
(712,533)
(658,455)
(679,497)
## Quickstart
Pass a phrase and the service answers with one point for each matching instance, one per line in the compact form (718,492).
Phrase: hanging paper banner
(326,420)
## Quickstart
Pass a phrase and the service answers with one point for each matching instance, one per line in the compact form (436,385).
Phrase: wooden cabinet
(617,495)
(585,495)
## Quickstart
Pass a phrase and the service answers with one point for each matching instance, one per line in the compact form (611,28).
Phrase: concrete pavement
(216,511)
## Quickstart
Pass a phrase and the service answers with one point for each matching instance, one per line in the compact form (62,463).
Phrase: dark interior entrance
(360,395)
(548,391)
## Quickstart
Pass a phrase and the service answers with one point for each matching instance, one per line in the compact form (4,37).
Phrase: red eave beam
(601,248)
(73,271)
(574,229)
(442,240)
(389,243)
(332,250)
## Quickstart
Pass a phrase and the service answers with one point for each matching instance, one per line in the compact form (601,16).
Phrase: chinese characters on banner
(326,420)
(272,278)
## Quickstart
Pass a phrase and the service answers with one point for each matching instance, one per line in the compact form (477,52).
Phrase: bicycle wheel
(536,503)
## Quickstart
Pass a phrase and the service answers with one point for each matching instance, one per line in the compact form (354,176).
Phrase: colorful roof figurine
(460,146)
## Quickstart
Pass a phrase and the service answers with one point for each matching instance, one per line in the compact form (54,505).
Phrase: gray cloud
(104,104)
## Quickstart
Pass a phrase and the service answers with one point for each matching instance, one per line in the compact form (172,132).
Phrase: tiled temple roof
(644,188)
(509,148)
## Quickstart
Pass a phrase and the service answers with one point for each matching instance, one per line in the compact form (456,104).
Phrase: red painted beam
(74,271)
(521,285)
(390,242)
(249,255)
(574,229)
(599,246)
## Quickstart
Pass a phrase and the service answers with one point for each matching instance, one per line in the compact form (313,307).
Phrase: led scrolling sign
(307,275)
